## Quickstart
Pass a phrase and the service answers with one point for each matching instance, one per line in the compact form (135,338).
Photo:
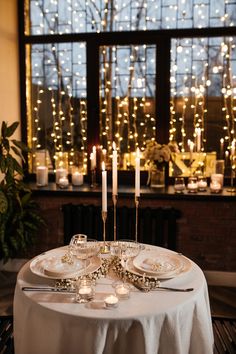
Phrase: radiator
(156,226)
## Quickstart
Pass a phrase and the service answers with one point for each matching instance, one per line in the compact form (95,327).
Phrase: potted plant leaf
(20,220)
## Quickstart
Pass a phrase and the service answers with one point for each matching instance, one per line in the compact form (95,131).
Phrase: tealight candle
(60,172)
(215,186)
(63,182)
(84,291)
(77,178)
(41,176)
(202,184)
(192,185)
(122,291)
(218,177)
(111,301)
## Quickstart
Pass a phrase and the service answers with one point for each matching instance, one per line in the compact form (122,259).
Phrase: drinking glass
(78,248)
(128,249)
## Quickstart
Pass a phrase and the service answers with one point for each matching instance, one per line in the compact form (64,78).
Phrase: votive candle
(77,178)
(60,172)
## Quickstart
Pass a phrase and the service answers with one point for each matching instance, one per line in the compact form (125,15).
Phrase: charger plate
(169,265)
(49,265)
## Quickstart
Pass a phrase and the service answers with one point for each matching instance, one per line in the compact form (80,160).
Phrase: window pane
(127,96)
(203,107)
(60,16)
(56,105)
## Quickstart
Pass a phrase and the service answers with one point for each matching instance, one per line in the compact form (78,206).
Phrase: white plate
(185,267)
(48,265)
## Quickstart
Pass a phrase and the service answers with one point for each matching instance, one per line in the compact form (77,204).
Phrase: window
(128,72)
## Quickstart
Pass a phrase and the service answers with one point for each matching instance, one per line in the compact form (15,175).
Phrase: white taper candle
(137,173)
(114,170)
(104,188)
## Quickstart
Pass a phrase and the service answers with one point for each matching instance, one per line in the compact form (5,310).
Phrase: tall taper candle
(95,156)
(137,173)
(114,170)
(92,160)
(221,148)
(104,188)
(198,141)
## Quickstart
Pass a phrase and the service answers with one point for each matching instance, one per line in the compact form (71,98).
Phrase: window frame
(160,38)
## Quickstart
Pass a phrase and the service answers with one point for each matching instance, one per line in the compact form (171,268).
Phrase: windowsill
(126,191)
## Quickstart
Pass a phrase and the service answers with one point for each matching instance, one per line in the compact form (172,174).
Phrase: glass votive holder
(192,185)
(202,183)
(218,177)
(84,291)
(122,291)
(215,186)
(179,185)
(63,182)
(60,172)
(77,178)
(111,301)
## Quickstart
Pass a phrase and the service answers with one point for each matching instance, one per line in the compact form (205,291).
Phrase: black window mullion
(92,52)
(163,89)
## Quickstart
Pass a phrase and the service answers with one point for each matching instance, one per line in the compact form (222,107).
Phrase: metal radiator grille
(157,226)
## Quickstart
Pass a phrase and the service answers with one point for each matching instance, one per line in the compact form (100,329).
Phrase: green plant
(19,214)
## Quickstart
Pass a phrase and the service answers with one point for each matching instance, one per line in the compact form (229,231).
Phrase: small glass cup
(84,291)
(202,183)
(122,291)
(215,187)
(179,185)
(63,182)
(192,185)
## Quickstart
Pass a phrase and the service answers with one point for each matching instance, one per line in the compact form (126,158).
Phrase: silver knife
(145,289)
(46,289)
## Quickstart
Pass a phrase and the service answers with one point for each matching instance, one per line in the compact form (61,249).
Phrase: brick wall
(206,229)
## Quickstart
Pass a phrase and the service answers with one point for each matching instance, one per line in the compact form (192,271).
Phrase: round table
(162,322)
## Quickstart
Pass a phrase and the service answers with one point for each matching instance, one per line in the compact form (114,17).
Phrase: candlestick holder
(232,189)
(136,217)
(93,178)
(114,199)
(105,248)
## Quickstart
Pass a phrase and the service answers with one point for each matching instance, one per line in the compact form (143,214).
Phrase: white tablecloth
(158,322)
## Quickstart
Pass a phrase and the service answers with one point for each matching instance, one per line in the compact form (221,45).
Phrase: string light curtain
(202,75)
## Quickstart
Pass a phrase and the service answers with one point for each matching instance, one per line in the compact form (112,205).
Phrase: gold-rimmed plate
(183,265)
(49,265)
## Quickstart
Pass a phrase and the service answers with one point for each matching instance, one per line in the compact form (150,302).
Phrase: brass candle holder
(93,178)
(136,217)
(232,189)
(114,199)
(105,248)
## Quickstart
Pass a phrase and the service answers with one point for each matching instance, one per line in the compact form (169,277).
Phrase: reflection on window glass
(127,99)
(203,102)
(56,105)
(58,16)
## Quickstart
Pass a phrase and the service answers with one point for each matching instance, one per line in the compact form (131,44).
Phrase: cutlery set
(139,287)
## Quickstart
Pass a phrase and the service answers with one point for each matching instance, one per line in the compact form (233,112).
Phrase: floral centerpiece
(157,157)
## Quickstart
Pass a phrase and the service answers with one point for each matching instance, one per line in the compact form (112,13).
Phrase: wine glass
(78,248)
(128,249)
